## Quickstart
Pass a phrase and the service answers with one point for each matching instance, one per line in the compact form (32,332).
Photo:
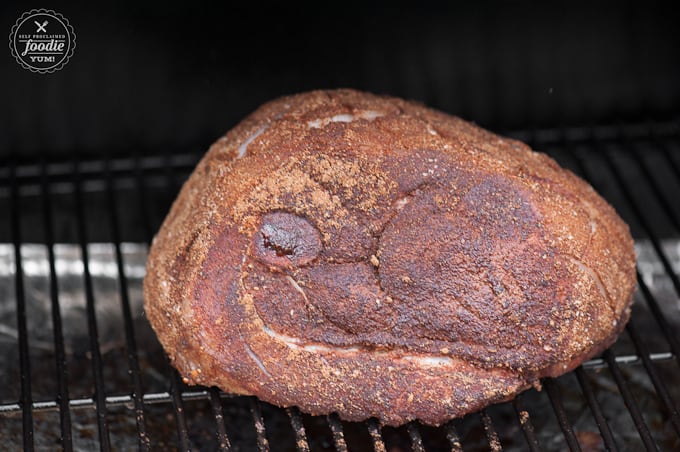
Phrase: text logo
(42,41)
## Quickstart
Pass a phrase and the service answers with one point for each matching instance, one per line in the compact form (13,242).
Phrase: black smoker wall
(156,76)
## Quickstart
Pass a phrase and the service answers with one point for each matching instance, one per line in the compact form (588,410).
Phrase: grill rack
(575,148)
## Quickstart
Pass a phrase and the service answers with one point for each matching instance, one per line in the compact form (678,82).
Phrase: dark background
(156,76)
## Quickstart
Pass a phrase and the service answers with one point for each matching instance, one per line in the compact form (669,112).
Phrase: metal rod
(24,357)
(596,409)
(556,401)
(258,421)
(180,417)
(526,424)
(93,167)
(453,437)
(143,440)
(599,363)
(216,405)
(374,432)
(491,434)
(111,401)
(58,335)
(416,439)
(629,400)
(338,433)
(298,428)
(99,392)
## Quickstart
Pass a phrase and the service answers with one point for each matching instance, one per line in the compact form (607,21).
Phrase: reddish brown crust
(346,252)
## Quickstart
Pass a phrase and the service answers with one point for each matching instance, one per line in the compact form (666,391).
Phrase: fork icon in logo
(41,28)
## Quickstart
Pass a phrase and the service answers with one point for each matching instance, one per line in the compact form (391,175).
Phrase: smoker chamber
(82,369)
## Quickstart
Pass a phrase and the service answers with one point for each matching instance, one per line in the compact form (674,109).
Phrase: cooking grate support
(62,398)
(525,422)
(97,371)
(416,438)
(256,412)
(216,405)
(24,361)
(605,430)
(130,340)
(16,179)
(338,434)
(556,400)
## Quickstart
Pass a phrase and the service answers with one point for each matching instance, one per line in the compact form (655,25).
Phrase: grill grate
(138,400)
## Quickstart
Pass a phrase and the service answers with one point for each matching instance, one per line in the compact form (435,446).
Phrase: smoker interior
(83,369)
(92,156)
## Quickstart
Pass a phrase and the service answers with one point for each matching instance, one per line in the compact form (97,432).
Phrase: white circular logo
(42,41)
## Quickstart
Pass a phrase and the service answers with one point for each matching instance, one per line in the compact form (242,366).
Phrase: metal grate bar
(376,436)
(628,399)
(178,406)
(216,405)
(657,381)
(666,329)
(337,431)
(298,428)
(165,397)
(120,400)
(555,397)
(595,407)
(491,434)
(416,438)
(92,169)
(258,420)
(599,363)
(99,394)
(130,340)
(526,424)
(453,437)
(60,358)
(24,357)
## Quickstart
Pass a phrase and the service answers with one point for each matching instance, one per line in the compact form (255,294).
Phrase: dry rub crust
(365,255)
